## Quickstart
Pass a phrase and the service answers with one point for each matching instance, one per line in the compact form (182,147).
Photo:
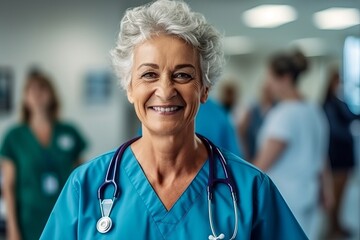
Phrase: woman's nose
(165,89)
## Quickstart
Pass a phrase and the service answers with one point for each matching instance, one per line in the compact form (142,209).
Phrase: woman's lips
(166,109)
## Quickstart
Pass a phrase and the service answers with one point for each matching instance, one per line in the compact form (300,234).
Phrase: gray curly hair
(172,18)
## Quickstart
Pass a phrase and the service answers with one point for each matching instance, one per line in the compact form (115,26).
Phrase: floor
(351,206)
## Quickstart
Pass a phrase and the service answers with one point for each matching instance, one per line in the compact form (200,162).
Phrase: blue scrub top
(213,122)
(138,213)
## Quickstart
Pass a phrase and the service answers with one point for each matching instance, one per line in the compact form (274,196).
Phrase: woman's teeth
(165,109)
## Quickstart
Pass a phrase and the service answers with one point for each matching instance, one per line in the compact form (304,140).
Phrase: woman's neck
(41,126)
(167,157)
(39,120)
(291,95)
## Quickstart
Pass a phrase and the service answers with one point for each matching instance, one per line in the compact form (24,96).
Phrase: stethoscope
(104,224)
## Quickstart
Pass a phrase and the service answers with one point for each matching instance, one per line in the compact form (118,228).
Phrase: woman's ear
(204,94)
(129,95)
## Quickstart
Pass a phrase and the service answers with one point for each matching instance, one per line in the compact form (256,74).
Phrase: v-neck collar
(165,219)
(37,141)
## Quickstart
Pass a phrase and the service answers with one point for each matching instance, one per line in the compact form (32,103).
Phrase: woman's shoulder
(92,168)
(285,107)
(241,169)
(65,125)
(15,129)
(287,111)
(249,181)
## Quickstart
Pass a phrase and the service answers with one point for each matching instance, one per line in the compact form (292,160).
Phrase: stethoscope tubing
(111,174)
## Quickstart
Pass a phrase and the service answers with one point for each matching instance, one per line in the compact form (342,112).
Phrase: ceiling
(226,15)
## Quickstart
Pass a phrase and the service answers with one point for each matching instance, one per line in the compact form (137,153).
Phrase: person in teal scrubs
(167,58)
(213,122)
(37,156)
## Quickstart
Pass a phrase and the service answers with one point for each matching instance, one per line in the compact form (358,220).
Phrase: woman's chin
(164,129)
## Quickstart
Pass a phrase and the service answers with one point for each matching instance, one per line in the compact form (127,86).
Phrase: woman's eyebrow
(152,65)
(177,67)
(155,66)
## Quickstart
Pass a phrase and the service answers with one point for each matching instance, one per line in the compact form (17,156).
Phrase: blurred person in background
(251,121)
(293,141)
(341,149)
(213,122)
(228,95)
(37,156)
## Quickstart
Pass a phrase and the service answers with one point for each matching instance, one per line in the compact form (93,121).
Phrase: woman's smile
(166,110)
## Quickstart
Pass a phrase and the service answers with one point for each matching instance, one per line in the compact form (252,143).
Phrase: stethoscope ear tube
(213,180)
(104,224)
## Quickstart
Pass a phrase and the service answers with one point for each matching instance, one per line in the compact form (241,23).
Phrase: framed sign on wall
(99,86)
(6,89)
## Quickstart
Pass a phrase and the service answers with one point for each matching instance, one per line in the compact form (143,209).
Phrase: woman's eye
(149,75)
(183,77)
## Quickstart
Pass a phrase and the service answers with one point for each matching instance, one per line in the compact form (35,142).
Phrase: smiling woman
(167,58)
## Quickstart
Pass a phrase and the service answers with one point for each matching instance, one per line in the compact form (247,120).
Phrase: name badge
(66,142)
(50,184)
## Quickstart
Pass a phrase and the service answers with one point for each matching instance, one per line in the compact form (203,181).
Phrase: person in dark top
(341,149)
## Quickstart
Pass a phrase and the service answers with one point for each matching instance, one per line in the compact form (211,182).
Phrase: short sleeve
(7,149)
(63,220)
(272,217)
(278,125)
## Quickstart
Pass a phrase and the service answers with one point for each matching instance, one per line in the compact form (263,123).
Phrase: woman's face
(166,87)
(37,96)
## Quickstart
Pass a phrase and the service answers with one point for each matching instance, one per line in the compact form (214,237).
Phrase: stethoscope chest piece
(104,224)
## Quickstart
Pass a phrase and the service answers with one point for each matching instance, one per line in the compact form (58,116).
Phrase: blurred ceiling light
(311,47)
(336,18)
(236,45)
(269,16)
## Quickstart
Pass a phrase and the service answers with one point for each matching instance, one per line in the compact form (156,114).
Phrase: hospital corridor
(180,119)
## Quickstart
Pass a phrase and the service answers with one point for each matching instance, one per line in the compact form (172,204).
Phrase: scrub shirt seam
(187,209)
(74,189)
(77,196)
(263,177)
(144,203)
(186,212)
